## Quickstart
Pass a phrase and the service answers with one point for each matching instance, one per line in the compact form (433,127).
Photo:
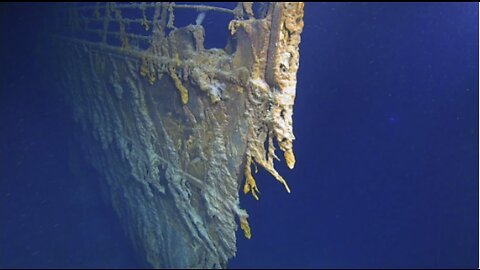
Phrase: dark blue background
(386,120)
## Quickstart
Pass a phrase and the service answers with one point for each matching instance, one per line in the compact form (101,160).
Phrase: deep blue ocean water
(386,125)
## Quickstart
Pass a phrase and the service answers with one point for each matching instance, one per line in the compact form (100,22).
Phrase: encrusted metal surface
(173,127)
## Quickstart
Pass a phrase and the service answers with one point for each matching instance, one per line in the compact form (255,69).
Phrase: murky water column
(174,128)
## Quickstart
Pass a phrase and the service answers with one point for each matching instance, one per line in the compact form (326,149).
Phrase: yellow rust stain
(250,184)
(289,158)
(178,84)
(245,227)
